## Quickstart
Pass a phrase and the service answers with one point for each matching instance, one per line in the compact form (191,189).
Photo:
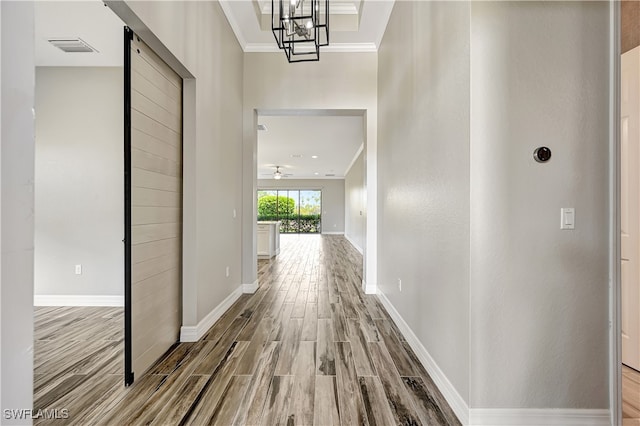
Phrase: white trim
(336,9)
(261,47)
(77,300)
(357,247)
(455,400)
(615,338)
(353,160)
(369,288)
(237,29)
(332,48)
(539,417)
(250,288)
(195,333)
(387,18)
(332,233)
(350,47)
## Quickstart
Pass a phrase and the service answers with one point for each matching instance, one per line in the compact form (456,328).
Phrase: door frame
(128,362)
(615,286)
(189,232)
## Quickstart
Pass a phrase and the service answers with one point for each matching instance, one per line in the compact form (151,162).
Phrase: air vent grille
(262,127)
(72,45)
(330,174)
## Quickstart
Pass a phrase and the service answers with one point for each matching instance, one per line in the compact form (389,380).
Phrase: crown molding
(336,9)
(353,160)
(332,48)
(237,29)
(350,47)
(261,47)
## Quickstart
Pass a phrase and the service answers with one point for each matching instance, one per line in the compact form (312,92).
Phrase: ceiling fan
(277,174)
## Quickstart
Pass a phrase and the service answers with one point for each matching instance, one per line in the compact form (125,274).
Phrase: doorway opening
(311,168)
(78,253)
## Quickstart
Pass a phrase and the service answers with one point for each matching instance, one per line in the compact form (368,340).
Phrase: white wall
(198,35)
(354,201)
(423,143)
(332,198)
(16,209)
(79,195)
(339,81)
(539,295)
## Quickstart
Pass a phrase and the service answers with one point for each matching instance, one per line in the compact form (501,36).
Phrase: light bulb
(309,25)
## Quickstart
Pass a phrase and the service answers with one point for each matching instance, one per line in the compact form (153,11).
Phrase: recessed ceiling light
(296,155)
(314,156)
(316,173)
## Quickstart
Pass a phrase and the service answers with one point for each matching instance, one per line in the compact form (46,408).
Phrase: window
(299,210)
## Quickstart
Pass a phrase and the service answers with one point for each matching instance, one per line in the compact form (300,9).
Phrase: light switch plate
(567,218)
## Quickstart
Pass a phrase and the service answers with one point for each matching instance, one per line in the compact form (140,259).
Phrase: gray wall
(79,196)
(332,198)
(354,201)
(200,37)
(423,160)
(16,208)
(539,295)
(512,309)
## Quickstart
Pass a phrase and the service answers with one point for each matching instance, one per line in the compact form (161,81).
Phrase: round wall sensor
(542,154)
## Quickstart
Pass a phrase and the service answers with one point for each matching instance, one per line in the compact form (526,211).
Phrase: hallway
(307,348)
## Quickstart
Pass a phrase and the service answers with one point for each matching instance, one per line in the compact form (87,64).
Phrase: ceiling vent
(72,45)
(330,174)
(262,127)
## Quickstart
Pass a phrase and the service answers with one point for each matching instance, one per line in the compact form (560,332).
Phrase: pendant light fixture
(300,27)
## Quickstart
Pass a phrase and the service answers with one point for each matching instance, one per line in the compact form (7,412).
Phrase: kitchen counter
(268,239)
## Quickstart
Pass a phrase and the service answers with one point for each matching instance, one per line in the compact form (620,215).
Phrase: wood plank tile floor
(308,348)
(630,396)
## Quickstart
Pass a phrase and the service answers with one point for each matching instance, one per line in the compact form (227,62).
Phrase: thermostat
(542,154)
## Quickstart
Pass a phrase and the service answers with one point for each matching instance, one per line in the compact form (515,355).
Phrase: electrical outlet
(78,269)
(227,271)
(399,285)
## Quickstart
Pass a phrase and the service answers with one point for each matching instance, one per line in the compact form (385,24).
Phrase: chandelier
(300,27)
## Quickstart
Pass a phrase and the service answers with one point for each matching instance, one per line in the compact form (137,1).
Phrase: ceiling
(291,141)
(355,25)
(90,20)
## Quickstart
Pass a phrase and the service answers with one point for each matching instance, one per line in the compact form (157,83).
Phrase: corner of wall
(450,393)
(195,333)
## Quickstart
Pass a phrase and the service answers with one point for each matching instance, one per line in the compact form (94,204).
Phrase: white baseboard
(457,403)
(369,288)
(77,300)
(250,288)
(357,247)
(539,417)
(332,233)
(194,333)
(499,416)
